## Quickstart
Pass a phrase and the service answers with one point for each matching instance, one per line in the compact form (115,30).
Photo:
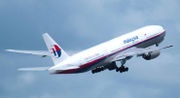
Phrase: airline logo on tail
(56,50)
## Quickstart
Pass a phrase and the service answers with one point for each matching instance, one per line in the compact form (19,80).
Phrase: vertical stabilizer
(57,53)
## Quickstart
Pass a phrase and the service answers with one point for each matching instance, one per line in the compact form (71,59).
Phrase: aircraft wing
(41,53)
(138,51)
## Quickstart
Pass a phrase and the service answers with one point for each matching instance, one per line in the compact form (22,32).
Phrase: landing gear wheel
(122,69)
(117,69)
(126,69)
(99,69)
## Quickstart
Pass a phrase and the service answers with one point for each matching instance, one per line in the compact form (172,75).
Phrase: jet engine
(151,55)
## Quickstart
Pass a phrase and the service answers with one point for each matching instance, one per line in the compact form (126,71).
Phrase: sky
(78,25)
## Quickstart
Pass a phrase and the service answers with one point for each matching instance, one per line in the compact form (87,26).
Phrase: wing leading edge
(138,51)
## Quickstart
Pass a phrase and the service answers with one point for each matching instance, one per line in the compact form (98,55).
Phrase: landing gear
(99,69)
(112,66)
(122,68)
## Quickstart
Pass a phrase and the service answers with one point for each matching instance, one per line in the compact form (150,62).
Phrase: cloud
(123,94)
(26,79)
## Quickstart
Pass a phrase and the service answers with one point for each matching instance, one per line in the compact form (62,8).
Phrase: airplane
(143,42)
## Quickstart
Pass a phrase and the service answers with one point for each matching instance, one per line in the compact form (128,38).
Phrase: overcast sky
(78,25)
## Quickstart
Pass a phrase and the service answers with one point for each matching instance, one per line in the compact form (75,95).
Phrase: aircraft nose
(161,28)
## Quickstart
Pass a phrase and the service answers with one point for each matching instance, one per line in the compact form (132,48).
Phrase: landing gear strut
(122,68)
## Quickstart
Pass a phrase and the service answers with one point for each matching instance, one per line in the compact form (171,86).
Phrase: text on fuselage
(130,39)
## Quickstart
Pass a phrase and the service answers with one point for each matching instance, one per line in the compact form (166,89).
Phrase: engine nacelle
(151,55)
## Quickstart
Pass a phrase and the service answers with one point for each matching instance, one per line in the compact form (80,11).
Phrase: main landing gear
(112,66)
(122,68)
(99,69)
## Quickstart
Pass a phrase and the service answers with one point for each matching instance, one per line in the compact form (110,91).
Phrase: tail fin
(57,53)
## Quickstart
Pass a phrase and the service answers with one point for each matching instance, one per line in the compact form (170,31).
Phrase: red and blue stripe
(56,51)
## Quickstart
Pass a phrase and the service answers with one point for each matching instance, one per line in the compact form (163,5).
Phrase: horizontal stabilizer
(34,69)
(41,53)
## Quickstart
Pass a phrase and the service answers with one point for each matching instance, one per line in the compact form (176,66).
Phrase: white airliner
(142,42)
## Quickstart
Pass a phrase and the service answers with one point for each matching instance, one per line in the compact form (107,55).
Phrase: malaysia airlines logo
(56,51)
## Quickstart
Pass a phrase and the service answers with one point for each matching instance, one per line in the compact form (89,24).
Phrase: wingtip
(169,46)
(19,69)
(8,50)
